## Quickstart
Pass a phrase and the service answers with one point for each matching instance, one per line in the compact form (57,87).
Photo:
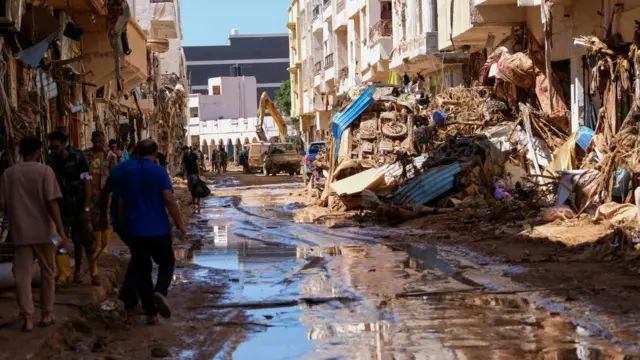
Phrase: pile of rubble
(506,139)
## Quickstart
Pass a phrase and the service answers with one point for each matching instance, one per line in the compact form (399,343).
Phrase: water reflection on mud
(271,257)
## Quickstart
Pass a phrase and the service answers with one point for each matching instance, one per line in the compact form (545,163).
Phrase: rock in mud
(160,351)
(80,325)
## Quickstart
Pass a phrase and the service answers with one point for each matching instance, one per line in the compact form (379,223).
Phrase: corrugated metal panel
(342,120)
(428,186)
(394,171)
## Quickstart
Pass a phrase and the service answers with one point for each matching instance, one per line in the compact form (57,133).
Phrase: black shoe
(162,305)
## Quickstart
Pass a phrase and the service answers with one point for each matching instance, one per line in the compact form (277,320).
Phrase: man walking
(29,195)
(72,172)
(191,172)
(214,156)
(144,193)
(100,164)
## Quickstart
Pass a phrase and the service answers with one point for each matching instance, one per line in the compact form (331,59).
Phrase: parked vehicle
(282,158)
(313,150)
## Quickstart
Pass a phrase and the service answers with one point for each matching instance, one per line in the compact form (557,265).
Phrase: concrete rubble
(506,139)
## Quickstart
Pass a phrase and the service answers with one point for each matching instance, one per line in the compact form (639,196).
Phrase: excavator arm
(267,105)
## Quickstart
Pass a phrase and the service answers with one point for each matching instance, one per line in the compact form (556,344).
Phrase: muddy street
(267,276)
(337,291)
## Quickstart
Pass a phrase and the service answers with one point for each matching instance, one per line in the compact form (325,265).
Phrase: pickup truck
(282,158)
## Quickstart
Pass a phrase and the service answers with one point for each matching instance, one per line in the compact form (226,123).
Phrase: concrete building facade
(263,56)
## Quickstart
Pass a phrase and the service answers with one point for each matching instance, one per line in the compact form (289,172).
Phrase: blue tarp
(342,120)
(428,186)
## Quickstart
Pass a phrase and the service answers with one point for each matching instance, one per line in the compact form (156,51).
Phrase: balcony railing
(382,29)
(316,12)
(344,73)
(328,61)
(317,68)
(326,3)
(341,5)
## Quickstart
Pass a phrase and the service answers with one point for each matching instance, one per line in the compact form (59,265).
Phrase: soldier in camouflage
(72,172)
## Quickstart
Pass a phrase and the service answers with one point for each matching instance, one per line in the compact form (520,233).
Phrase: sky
(208,22)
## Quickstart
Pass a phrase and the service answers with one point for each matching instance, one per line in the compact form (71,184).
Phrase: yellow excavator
(267,105)
(283,156)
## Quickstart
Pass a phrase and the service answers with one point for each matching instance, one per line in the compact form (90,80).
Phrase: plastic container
(57,241)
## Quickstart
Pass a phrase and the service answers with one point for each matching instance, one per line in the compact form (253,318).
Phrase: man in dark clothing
(244,160)
(215,166)
(191,171)
(144,193)
(223,160)
(72,172)
(162,160)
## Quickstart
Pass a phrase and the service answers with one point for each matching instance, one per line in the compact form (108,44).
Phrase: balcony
(98,53)
(383,29)
(326,3)
(316,24)
(474,23)
(340,16)
(317,68)
(163,24)
(329,69)
(328,61)
(353,8)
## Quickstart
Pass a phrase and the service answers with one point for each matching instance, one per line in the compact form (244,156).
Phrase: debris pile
(507,140)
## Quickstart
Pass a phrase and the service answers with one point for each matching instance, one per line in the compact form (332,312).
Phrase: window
(193,112)
(315,148)
(215,90)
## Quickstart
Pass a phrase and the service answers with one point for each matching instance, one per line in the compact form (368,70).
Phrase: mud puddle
(269,259)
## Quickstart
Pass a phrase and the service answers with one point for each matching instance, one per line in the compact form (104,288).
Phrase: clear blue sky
(208,22)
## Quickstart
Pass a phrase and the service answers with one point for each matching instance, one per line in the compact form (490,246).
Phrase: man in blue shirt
(144,193)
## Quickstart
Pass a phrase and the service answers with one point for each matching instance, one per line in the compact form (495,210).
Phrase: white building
(227,116)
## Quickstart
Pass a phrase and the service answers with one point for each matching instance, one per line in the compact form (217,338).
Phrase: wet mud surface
(267,280)
(317,292)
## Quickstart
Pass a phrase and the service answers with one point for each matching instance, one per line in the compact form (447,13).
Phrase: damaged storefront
(60,70)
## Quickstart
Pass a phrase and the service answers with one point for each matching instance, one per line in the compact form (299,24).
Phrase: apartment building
(263,56)
(335,45)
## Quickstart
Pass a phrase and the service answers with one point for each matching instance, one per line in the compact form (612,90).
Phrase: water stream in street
(267,257)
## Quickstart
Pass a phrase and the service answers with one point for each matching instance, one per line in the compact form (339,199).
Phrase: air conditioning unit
(11,14)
